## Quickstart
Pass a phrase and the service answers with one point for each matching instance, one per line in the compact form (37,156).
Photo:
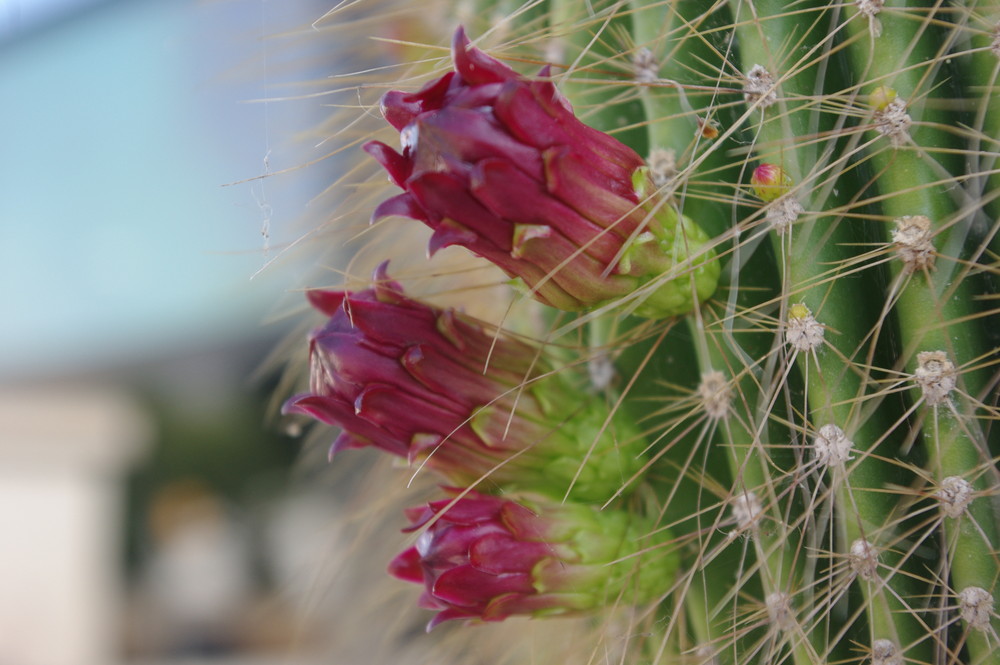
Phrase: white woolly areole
(555,50)
(746,509)
(976,606)
(804,333)
(645,66)
(779,610)
(955,495)
(662,165)
(894,122)
(715,394)
(831,446)
(705,655)
(783,212)
(935,375)
(912,236)
(758,87)
(885,652)
(995,44)
(871,9)
(863,559)
(601,370)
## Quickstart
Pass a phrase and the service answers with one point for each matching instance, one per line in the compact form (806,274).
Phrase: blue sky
(121,127)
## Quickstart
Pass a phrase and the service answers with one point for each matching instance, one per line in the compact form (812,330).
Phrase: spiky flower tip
(498,163)
(486,558)
(770,182)
(881,97)
(434,386)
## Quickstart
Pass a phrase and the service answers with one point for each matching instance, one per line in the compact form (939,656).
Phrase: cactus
(818,458)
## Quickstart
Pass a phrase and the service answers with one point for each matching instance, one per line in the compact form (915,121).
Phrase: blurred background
(152,510)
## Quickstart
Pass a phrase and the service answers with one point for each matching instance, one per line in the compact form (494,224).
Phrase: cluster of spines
(795,384)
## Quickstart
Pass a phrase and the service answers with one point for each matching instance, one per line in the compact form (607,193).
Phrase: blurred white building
(63,452)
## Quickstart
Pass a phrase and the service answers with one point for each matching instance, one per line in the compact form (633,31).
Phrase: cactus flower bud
(881,97)
(770,182)
(436,387)
(486,558)
(499,164)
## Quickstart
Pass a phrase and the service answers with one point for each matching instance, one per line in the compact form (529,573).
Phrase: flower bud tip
(770,182)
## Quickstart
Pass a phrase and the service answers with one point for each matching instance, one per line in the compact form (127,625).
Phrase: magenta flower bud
(485,558)
(439,388)
(770,182)
(499,164)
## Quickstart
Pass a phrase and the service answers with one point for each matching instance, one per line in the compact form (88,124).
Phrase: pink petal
(402,413)
(401,205)
(572,270)
(385,289)
(465,586)
(510,194)
(449,233)
(328,302)
(335,410)
(523,523)
(400,108)
(499,554)
(475,67)
(398,167)
(535,115)
(459,137)
(571,180)
(346,441)
(394,325)
(407,566)
(438,372)
(448,197)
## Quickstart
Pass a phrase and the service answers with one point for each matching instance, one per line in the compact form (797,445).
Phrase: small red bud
(709,129)
(770,182)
